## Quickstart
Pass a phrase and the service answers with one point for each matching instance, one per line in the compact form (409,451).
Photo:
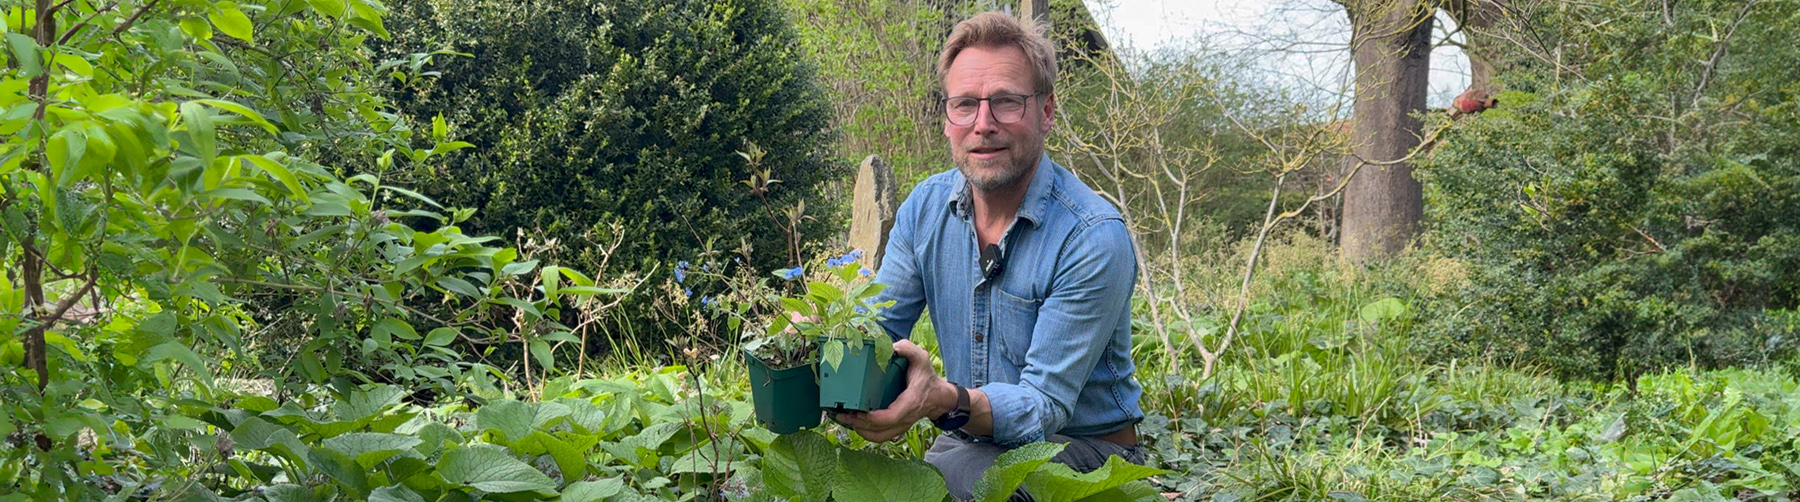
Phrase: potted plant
(857,365)
(784,381)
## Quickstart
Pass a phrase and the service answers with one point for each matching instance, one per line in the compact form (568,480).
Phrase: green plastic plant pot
(894,381)
(786,400)
(858,384)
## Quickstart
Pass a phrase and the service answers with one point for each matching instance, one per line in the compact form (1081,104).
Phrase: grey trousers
(963,461)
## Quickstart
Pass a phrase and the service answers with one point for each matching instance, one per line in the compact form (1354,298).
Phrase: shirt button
(978,338)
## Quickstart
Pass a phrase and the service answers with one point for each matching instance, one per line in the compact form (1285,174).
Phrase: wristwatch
(957,417)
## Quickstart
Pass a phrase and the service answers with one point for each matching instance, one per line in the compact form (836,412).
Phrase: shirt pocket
(1014,320)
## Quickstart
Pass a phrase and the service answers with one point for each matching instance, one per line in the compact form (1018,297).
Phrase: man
(1027,271)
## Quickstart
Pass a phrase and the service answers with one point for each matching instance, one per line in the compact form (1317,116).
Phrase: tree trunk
(1476,20)
(1391,46)
(1035,10)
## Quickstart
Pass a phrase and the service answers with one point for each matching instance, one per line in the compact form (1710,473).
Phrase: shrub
(1623,213)
(619,122)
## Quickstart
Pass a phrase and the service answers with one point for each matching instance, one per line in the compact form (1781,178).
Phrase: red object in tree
(1472,101)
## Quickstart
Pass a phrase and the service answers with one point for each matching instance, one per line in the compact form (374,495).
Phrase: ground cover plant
(221,286)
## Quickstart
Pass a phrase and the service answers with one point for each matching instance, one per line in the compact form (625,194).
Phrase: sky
(1318,27)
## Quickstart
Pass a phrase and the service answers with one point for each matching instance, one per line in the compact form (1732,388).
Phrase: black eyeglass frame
(990,107)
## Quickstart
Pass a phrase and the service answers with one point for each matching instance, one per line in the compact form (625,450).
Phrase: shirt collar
(1037,196)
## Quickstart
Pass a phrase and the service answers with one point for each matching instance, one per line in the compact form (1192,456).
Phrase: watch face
(953,420)
(958,417)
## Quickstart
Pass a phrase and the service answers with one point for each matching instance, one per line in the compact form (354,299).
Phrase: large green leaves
(801,466)
(1055,482)
(491,469)
(877,478)
(370,448)
(1011,469)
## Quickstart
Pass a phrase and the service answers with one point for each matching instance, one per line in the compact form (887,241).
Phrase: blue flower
(846,259)
(689,292)
(708,301)
(681,272)
(791,273)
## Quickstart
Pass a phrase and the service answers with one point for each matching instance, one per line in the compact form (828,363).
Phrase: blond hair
(994,29)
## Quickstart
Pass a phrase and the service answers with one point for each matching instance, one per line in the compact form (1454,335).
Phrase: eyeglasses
(1006,108)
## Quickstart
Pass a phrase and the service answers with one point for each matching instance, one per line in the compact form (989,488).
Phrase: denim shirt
(1049,338)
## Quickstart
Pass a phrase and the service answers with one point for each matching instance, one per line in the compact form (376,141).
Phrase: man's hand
(927,395)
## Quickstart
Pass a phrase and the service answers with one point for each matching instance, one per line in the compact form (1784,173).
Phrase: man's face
(990,154)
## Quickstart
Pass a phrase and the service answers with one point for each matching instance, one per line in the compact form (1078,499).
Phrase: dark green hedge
(588,114)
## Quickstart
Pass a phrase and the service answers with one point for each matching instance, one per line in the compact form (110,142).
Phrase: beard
(1000,172)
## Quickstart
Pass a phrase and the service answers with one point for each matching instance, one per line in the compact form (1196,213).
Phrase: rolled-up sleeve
(1088,300)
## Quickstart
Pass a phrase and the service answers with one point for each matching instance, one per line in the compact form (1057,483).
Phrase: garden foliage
(621,122)
(1631,204)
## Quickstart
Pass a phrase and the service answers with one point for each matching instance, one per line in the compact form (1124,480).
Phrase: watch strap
(957,417)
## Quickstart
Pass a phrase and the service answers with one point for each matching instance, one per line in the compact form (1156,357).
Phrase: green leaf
(439,129)
(370,448)
(1135,491)
(395,493)
(802,466)
(390,328)
(433,436)
(281,173)
(242,111)
(197,28)
(541,352)
(897,481)
(823,292)
(1010,470)
(231,21)
(25,53)
(65,151)
(180,353)
(257,434)
(414,195)
(570,452)
(440,337)
(592,491)
(288,492)
(460,287)
(509,417)
(333,8)
(341,468)
(712,457)
(1055,482)
(493,470)
(1382,310)
(236,194)
(200,130)
(833,352)
(366,403)
(551,279)
(634,449)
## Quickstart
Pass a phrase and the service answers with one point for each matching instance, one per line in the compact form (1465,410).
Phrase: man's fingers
(851,419)
(886,418)
(913,353)
(881,435)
